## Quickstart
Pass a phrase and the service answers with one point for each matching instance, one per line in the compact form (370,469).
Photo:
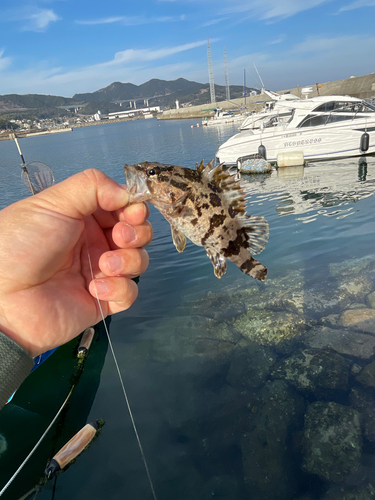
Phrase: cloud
(211,22)
(130,20)
(135,65)
(280,39)
(271,9)
(318,45)
(358,4)
(5,62)
(152,54)
(32,18)
(314,59)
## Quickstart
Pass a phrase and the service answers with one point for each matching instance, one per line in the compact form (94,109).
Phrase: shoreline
(57,130)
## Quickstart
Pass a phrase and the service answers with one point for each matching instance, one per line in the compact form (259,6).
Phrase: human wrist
(15,366)
(17,339)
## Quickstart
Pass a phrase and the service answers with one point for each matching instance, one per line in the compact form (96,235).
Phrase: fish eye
(153,171)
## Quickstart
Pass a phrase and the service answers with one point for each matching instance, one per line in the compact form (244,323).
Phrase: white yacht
(320,128)
(222,117)
(276,109)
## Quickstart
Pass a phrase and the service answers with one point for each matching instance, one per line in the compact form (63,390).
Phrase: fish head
(160,184)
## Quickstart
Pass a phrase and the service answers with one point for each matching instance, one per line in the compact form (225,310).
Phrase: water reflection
(302,190)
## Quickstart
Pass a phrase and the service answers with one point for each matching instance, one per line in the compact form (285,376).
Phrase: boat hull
(317,143)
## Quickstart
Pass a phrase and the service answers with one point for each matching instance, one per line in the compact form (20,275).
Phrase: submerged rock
(355,288)
(367,375)
(270,467)
(183,337)
(361,398)
(317,371)
(269,327)
(366,492)
(343,341)
(220,487)
(321,298)
(371,299)
(353,267)
(359,319)
(332,440)
(363,401)
(250,366)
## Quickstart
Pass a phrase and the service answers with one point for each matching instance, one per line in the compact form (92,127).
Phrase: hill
(156,92)
(124,91)
(159,93)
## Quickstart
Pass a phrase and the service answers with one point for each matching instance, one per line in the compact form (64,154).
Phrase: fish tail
(248,265)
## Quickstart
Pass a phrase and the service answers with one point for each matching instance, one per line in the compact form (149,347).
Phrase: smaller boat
(275,112)
(222,117)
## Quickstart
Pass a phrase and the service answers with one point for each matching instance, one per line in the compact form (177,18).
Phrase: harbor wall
(360,86)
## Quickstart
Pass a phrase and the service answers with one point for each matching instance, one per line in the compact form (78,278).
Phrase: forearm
(15,365)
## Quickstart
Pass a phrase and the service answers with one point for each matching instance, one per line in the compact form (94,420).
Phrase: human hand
(47,294)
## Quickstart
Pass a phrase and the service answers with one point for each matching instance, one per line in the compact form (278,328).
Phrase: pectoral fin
(219,263)
(179,239)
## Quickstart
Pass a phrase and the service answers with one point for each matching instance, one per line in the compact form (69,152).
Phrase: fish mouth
(137,187)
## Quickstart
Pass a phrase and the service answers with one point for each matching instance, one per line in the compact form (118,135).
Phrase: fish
(206,205)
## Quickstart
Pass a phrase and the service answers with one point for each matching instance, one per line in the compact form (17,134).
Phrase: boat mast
(227,89)
(211,73)
(244,85)
(261,81)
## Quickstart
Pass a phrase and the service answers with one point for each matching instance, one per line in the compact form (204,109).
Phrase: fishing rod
(36,175)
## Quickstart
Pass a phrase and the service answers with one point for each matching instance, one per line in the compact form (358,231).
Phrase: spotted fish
(206,205)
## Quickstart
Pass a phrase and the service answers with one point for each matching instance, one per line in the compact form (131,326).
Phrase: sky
(64,47)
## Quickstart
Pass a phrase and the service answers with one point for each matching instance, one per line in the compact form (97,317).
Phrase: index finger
(135,215)
(83,194)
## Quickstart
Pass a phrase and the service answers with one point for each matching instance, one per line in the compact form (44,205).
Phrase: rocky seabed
(282,383)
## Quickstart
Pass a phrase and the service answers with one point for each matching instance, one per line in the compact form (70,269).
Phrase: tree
(4,124)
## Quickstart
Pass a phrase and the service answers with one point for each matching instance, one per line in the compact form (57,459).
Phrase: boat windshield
(346,107)
(323,119)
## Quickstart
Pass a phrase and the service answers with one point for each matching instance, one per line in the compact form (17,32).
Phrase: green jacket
(15,366)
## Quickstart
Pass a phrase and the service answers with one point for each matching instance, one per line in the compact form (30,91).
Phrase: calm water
(174,367)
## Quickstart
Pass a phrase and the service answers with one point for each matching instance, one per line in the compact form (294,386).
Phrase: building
(130,113)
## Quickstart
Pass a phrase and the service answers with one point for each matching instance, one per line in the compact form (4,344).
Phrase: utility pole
(227,89)
(211,73)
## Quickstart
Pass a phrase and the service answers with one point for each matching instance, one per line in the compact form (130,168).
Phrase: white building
(130,113)
(98,116)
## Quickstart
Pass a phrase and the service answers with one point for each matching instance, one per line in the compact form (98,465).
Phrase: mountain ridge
(157,92)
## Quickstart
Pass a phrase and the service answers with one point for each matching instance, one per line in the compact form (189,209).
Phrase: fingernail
(101,287)
(114,263)
(128,234)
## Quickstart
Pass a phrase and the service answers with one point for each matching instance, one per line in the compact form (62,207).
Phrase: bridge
(133,102)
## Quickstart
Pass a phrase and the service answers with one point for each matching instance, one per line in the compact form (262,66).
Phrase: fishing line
(122,382)
(37,444)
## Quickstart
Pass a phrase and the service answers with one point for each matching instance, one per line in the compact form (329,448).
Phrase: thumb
(81,195)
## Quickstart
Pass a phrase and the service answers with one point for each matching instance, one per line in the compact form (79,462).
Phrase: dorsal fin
(208,169)
(231,187)
(199,167)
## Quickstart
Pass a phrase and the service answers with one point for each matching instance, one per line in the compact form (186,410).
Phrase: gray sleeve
(15,366)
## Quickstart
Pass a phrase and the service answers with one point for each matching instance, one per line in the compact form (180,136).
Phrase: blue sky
(63,47)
